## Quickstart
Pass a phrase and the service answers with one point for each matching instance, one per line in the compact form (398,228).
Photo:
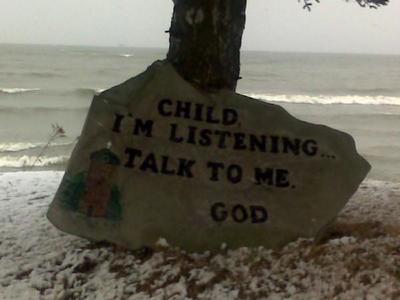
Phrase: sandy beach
(357,258)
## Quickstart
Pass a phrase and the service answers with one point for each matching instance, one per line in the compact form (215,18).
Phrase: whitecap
(15,147)
(98,91)
(28,161)
(17,90)
(126,55)
(325,99)
(89,91)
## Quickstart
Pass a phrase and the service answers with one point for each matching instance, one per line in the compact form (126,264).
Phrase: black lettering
(149,163)
(198,112)
(239,141)
(239,213)
(164,166)
(215,170)
(218,212)
(185,166)
(117,122)
(258,214)
(310,147)
(274,144)
(263,176)
(222,138)
(192,135)
(144,127)
(173,133)
(281,178)
(183,109)
(210,116)
(229,116)
(205,139)
(291,145)
(234,173)
(162,107)
(132,154)
(259,142)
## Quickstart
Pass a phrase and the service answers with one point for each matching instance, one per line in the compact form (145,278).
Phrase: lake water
(44,85)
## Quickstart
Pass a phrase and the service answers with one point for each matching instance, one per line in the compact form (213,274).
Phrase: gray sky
(272,25)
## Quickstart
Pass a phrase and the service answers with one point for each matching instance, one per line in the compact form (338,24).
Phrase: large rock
(159,158)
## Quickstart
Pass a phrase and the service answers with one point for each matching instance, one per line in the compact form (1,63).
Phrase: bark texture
(205,41)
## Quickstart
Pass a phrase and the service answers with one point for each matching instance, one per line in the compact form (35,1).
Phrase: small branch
(57,132)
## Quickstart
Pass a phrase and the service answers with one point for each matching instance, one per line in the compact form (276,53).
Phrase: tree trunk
(205,40)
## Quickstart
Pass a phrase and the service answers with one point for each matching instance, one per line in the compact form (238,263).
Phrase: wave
(27,161)
(125,55)
(89,91)
(17,90)
(324,99)
(14,147)
(301,99)
(17,147)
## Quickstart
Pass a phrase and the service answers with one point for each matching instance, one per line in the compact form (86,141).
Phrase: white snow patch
(37,261)
(162,242)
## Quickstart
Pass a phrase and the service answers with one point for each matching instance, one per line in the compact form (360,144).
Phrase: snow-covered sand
(359,257)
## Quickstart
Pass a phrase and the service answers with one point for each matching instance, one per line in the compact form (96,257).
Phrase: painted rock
(159,158)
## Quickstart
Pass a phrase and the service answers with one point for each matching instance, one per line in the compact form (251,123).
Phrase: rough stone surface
(158,158)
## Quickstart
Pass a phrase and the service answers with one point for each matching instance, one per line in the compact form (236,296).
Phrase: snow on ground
(358,257)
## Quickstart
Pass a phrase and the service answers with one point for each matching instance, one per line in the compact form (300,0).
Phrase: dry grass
(365,230)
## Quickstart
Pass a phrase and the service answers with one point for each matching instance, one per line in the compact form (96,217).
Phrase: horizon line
(166,48)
